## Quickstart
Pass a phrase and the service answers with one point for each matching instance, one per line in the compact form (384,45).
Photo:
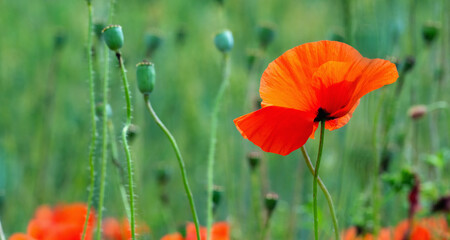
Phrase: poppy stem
(213,141)
(2,234)
(316,175)
(324,190)
(125,145)
(93,118)
(180,162)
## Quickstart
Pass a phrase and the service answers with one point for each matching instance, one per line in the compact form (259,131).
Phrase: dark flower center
(322,115)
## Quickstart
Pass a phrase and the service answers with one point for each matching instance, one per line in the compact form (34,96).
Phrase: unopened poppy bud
(132,132)
(429,32)
(182,230)
(266,35)
(337,37)
(99,110)
(253,159)
(252,56)
(152,42)
(217,195)
(163,176)
(98,28)
(224,41)
(60,40)
(181,35)
(270,202)
(417,112)
(113,37)
(145,75)
(409,63)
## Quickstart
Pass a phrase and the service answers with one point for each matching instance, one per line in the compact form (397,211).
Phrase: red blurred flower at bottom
(113,230)
(219,231)
(65,221)
(425,229)
(21,236)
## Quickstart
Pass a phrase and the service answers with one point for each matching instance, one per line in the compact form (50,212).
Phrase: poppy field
(225,120)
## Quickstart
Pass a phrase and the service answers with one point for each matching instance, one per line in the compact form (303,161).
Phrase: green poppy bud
(132,132)
(99,110)
(152,42)
(429,32)
(98,28)
(224,41)
(270,202)
(409,63)
(113,37)
(217,195)
(145,74)
(253,160)
(266,35)
(163,176)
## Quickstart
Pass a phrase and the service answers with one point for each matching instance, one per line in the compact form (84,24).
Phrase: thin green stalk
(316,175)
(180,162)
(104,144)
(93,117)
(324,190)
(115,160)
(104,131)
(213,142)
(125,144)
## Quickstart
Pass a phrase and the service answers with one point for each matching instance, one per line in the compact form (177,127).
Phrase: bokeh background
(45,124)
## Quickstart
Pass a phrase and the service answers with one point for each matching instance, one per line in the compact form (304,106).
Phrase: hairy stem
(180,162)
(324,190)
(126,148)
(93,118)
(213,141)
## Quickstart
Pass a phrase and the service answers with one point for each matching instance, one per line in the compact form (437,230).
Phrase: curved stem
(180,162)
(324,190)
(93,118)
(126,148)
(316,175)
(213,142)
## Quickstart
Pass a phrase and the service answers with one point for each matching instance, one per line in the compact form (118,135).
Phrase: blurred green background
(45,123)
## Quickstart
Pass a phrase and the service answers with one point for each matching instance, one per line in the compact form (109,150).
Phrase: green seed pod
(224,41)
(217,195)
(113,37)
(163,176)
(152,42)
(270,202)
(132,132)
(429,32)
(99,110)
(266,35)
(98,28)
(409,63)
(145,75)
(253,159)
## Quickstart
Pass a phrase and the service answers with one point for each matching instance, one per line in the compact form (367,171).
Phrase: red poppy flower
(114,230)
(219,231)
(62,222)
(312,82)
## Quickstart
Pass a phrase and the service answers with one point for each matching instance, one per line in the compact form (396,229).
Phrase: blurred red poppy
(114,230)
(65,221)
(219,231)
(312,82)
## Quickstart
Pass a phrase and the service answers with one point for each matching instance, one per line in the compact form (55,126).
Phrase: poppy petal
(287,80)
(276,129)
